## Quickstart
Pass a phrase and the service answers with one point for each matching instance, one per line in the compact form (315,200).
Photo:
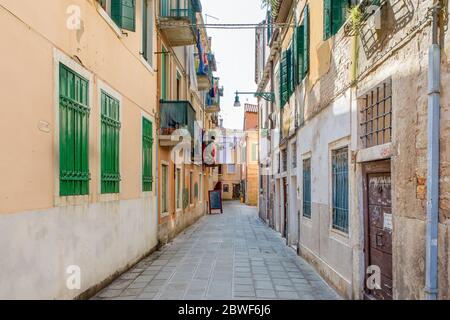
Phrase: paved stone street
(229,256)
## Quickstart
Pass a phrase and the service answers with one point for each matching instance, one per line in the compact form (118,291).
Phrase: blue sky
(235,52)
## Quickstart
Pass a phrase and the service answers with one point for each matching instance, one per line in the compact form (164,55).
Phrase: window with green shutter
(300,52)
(110,136)
(306,40)
(123,13)
(295,56)
(73,133)
(335,13)
(283,79)
(340,189)
(307,188)
(290,72)
(147,155)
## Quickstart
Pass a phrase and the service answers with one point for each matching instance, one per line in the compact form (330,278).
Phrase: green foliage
(272,5)
(356,17)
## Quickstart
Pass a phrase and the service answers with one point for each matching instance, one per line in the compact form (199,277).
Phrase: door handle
(379,240)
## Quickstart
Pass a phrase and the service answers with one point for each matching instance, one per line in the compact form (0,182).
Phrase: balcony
(204,74)
(177,119)
(177,20)
(213,102)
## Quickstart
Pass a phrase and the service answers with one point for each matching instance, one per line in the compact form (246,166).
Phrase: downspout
(434,79)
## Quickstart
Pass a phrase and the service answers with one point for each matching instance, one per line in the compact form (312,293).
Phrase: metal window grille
(284,160)
(294,155)
(147,155)
(73,133)
(340,189)
(307,188)
(376,115)
(110,134)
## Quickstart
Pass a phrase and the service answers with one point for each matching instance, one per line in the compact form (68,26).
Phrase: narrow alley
(229,256)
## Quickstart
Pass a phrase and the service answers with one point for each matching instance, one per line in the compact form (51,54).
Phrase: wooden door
(378,216)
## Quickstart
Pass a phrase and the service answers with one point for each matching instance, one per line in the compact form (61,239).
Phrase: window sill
(68,201)
(108,197)
(146,64)
(380,152)
(109,21)
(339,236)
(147,194)
(164,214)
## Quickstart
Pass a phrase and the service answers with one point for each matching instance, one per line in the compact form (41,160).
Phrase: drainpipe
(431,281)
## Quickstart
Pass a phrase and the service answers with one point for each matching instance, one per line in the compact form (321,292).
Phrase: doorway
(378,229)
(284,207)
(236,191)
(293,213)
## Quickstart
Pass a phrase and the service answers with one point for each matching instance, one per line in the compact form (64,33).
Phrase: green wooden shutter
(147,155)
(110,136)
(306,41)
(338,14)
(73,133)
(144,29)
(326,19)
(301,50)
(290,73)
(283,79)
(123,13)
(295,56)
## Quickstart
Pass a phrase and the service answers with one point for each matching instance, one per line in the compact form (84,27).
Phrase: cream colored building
(78,136)
(346,158)
(183,105)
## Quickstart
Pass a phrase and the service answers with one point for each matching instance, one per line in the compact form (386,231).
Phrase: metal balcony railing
(178,9)
(177,115)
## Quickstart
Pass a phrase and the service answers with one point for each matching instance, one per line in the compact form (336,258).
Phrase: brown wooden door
(379,229)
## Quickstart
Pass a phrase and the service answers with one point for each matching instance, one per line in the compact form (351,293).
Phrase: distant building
(250,155)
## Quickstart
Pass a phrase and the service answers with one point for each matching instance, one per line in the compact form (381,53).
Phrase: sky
(235,53)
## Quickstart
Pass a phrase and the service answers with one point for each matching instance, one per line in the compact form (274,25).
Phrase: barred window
(376,115)
(284,160)
(307,188)
(294,155)
(340,189)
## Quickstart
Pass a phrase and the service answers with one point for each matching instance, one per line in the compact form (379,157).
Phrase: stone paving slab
(223,257)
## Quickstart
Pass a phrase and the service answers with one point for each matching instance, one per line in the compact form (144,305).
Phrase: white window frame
(145,194)
(191,188)
(164,213)
(61,57)
(179,191)
(106,15)
(102,86)
(149,64)
(200,187)
(338,235)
